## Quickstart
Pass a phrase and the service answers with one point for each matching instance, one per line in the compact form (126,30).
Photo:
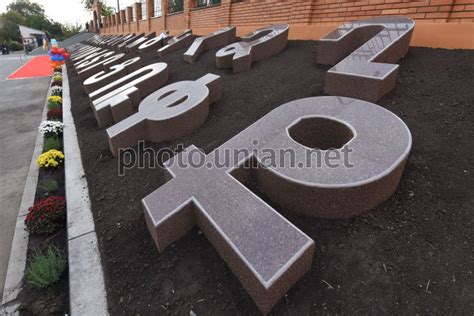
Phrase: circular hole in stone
(321,133)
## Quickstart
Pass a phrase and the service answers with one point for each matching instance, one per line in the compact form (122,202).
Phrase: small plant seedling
(49,185)
(44,270)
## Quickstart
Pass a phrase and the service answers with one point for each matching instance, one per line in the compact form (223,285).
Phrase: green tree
(71,29)
(9,22)
(106,10)
(31,14)
(39,22)
(26,8)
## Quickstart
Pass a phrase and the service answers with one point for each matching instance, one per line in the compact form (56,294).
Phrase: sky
(67,11)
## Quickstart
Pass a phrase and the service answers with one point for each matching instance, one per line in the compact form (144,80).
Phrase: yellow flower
(55,99)
(50,159)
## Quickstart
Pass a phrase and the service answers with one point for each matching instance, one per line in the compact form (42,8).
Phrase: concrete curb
(87,293)
(17,261)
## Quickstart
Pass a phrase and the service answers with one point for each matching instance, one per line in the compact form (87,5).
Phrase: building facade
(440,23)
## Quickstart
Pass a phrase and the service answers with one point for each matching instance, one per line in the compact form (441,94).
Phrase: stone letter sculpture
(255,46)
(97,51)
(177,42)
(121,98)
(222,37)
(83,50)
(133,47)
(168,113)
(115,72)
(103,63)
(114,44)
(122,47)
(86,62)
(372,47)
(263,249)
(154,43)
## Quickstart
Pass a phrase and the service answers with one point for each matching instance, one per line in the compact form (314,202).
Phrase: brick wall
(309,14)
(454,11)
(205,17)
(176,21)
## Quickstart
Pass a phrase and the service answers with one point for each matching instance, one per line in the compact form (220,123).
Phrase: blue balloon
(61,58)
(54,58)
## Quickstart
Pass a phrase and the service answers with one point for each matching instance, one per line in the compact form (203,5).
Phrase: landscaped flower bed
(389,253)
(46,285)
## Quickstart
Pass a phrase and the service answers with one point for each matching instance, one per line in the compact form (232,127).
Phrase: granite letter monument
(154,43)
(120,99)
(115,72)
(255,46)
(219,38)
(364,54)
(169,113)
(264,250)
(177,42)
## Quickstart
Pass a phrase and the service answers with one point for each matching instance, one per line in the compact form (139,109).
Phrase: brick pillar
(164,12)
(129,18)
(226,9)
(97,8)
(149,13)
(122,20)
(118,21)
(187,6)
(138,14)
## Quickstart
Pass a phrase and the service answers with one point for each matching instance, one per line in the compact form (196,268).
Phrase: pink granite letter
(372,48)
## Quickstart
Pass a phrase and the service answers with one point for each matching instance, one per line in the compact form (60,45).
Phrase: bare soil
(412,254)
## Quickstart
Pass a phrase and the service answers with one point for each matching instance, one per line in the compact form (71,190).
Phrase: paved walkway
(21,105)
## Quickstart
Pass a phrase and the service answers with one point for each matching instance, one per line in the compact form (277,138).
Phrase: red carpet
(36,67)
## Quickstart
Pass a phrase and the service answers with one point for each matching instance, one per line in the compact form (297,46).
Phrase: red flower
(45,215)
(55,114)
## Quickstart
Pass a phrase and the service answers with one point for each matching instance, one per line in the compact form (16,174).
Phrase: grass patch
(52,143)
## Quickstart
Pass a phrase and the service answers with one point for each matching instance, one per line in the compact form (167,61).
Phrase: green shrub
(51,143)
(49,185)
(14,45)
(44,270)
(54,105)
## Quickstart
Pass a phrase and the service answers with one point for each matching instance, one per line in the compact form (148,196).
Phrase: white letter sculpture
(120,99)
(169,113)
(115,72)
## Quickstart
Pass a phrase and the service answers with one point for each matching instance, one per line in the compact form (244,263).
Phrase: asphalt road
(21,105)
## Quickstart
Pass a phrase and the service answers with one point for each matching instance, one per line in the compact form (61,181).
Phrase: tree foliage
(31,14)
(106,9)
(26,8)
(9,30)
